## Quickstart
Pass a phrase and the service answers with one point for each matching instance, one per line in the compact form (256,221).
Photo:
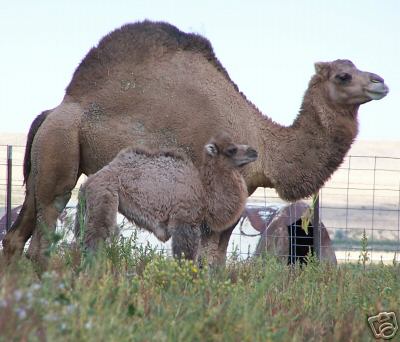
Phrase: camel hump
(134,44)
(31,135)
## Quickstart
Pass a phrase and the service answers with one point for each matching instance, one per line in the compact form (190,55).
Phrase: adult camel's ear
(211,149)
(322,68)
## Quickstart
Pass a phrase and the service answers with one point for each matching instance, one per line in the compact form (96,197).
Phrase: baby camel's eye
(231,151)
(344,77)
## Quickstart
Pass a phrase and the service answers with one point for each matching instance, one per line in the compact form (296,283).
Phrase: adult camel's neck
(302,157)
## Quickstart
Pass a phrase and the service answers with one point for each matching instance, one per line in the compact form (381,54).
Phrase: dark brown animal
(166,194)
(151,85)
(282,233)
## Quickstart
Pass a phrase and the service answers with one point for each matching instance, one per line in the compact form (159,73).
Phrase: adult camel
(152,85)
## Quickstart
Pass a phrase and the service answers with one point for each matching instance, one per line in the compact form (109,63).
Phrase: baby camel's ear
(211,150)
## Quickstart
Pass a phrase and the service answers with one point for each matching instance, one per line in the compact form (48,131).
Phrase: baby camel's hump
(163,185)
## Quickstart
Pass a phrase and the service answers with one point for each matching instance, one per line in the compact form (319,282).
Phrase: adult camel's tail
(32,132)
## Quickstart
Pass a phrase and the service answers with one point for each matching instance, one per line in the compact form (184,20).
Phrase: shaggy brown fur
(166,194)
(151,85)
(147,40)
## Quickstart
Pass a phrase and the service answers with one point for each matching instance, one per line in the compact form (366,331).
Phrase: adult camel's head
(346,85)
(324,130)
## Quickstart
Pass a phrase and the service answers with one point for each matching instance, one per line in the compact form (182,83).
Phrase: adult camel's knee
(45,226)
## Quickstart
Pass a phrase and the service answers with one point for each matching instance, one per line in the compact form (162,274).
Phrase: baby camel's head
(223,147)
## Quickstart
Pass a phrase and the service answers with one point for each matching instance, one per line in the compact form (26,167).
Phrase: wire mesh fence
(358,215)
(360,209)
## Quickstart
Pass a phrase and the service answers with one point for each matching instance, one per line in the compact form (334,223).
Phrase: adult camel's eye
(344,77)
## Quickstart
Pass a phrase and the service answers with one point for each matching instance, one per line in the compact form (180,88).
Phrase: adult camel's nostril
(376,79)
(252,153)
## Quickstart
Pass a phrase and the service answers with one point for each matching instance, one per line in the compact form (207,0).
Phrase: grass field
(131,293)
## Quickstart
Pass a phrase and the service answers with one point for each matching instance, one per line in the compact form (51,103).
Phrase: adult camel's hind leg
(45,227)
(21,230)
(24,225)
(55,171)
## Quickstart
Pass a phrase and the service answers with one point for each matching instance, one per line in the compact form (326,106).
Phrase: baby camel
(164,193)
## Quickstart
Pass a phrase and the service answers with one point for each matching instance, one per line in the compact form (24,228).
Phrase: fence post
(316,227)
(9,188)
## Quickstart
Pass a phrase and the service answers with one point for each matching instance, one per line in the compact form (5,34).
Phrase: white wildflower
(29,294)
(51,318)
(18,294)
(35,287)
(88,324)
(21,313)
(43,301)
(70,308)
(49,275)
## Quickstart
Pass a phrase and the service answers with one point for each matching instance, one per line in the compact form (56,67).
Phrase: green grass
(131,293)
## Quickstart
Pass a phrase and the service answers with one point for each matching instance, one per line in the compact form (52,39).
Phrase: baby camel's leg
(161,232)
(80,216)
(186,241)
(101,215)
